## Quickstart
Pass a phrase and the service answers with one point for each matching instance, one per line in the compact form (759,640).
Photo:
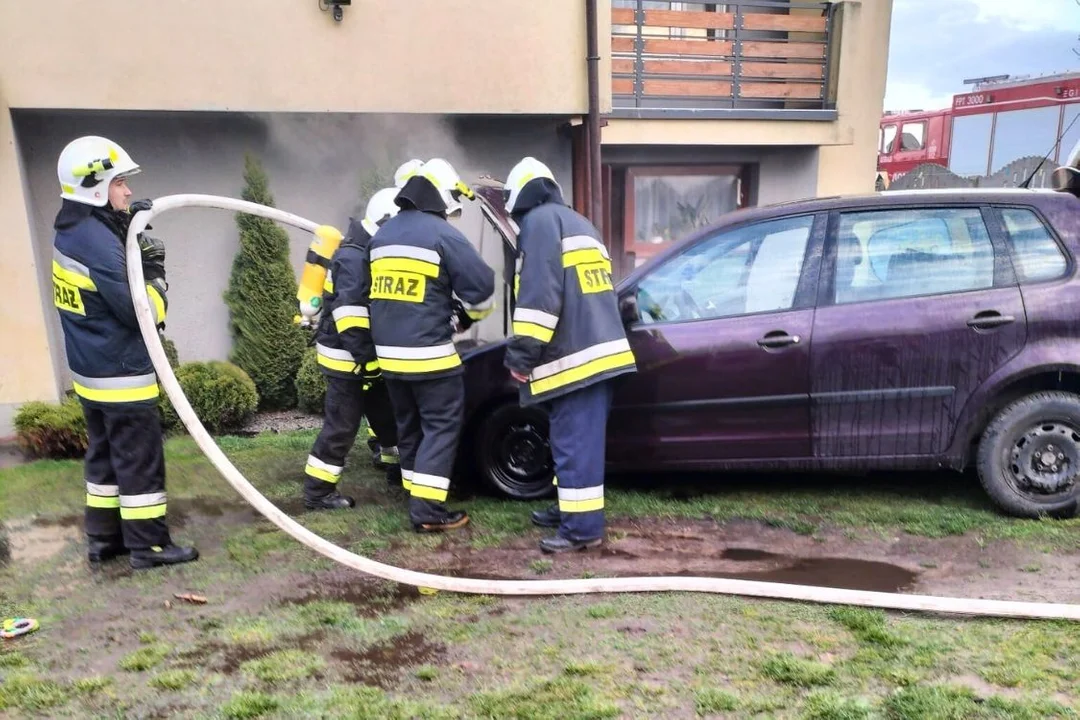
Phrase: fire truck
(1001,120)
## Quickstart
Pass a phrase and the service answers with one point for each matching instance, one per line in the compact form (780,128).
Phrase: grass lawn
(285,633)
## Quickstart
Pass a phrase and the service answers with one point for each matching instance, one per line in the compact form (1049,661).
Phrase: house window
(664,204)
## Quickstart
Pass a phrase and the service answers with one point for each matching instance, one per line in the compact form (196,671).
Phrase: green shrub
(310,384)
(262,300)
(47,430)
(221,394)
(170,352)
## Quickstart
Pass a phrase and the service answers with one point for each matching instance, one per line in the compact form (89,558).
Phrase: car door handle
(778,339)
(990,319)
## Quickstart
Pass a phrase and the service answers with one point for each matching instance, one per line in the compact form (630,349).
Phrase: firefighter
(568,344)
(421,268)
(353,384)
(111,369)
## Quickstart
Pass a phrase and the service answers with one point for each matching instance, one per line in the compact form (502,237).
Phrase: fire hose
(724,586)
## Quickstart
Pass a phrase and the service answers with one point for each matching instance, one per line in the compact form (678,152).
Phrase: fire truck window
(913,136)
(1024,133)
(970,149)
(1036,255)
(890,139)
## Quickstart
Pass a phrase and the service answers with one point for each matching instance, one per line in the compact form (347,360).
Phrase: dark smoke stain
(381,664)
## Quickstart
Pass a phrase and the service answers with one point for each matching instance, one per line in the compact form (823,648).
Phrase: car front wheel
(1029,456)
(512,452)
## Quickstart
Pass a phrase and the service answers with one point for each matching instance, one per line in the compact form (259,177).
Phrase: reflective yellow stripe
(401,264)
(420,366)
(589,255)
(106,503)
(538,332)
(427,493)
(348,323)
(328,285)
(83,282)
(582,372)
(142,513)
(158,302)
(406,479)
(320,474)
(339,365)
(479,314)
(117,395)
(580,506)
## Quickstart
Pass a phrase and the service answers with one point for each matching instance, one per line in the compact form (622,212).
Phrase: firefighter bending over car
(111,369)
(353,384)
(568,344)
(424,273)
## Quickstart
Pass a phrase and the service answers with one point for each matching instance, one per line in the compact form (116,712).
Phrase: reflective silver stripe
(575,494)
(407,474)
(134,501)
(583,242)
(486,304)
(580,358)
(103,490)
(537,317)
(415,353)
(334,354)
(320,465)
(69,264)
(115,383)
(432,481)
(350,311)
(406,251)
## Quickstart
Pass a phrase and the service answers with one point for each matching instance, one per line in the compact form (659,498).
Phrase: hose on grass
(723,586)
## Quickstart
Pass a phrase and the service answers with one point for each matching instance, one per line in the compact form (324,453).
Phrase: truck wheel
(1029,456)
(512,452)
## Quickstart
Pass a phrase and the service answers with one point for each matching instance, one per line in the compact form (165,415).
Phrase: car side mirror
(628,308)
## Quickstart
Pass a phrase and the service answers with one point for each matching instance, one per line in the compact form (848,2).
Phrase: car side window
(1036,255)
(886,254)
(751,269)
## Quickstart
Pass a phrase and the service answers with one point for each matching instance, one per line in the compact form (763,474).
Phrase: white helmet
(86,167)
(526,170)
(380,208)
(446,180)
(406,171)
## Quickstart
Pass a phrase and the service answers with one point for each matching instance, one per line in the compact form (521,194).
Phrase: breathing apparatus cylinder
(324,244)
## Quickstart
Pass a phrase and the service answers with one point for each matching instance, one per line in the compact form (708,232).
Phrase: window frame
(922,142)
(806,289)
(1004,275)
(1001,228)
(895,126)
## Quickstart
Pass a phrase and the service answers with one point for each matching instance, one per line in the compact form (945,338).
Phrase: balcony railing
(739,58)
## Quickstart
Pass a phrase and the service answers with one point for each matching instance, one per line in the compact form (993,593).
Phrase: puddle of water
(842,573)
(369,598)
(380,664)
(182,512)
(37,542)
(748,555)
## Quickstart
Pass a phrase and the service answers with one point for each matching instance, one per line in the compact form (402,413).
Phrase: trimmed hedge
(262,300)
(47,430)
(310,384)
(170,352)
(221,394)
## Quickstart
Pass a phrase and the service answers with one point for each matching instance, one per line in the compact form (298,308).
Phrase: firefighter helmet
(527,170)
(86,167)
(380,208)
(447,182)
(406,171)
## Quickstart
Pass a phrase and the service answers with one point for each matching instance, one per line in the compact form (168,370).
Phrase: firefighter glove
(461,318)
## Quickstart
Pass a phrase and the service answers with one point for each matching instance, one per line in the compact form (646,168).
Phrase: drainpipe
(596,204)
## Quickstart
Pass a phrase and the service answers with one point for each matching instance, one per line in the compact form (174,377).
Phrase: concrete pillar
(25,354)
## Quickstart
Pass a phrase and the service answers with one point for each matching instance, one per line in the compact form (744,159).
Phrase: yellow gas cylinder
(309,294)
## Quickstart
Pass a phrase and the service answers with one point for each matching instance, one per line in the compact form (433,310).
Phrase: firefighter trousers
(429,415)
(578,423)
(125,476)
(346,404)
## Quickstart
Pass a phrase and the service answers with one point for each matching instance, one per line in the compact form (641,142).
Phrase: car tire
(512,454)
(1029,456)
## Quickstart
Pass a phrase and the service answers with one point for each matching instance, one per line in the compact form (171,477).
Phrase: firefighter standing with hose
(112,373)
(353,383)
(568,344)
(421,269)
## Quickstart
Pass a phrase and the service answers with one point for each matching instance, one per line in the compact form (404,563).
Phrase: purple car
(903,330)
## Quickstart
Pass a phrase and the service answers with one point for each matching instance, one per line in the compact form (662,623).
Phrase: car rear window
(1036,255)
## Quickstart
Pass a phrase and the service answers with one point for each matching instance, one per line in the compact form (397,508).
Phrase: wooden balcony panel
(672,67)
(657,46)
(781,49)
(687,88)
(676,19)
(782,23)
(781,70)
(779,90)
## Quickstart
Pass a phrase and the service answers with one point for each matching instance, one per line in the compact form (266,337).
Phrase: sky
(937,44)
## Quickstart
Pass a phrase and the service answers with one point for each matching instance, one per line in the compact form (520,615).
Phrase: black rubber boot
(393,476)
(157,556)
(333,501)
(548,517)
(558,544)
(100,550)
(453,520)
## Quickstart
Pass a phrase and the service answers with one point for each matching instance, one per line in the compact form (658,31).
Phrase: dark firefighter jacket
(105,351)
(419,263)
(344,335)
(567,332)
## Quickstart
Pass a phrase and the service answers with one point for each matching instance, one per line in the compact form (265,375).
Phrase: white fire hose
(723,586)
